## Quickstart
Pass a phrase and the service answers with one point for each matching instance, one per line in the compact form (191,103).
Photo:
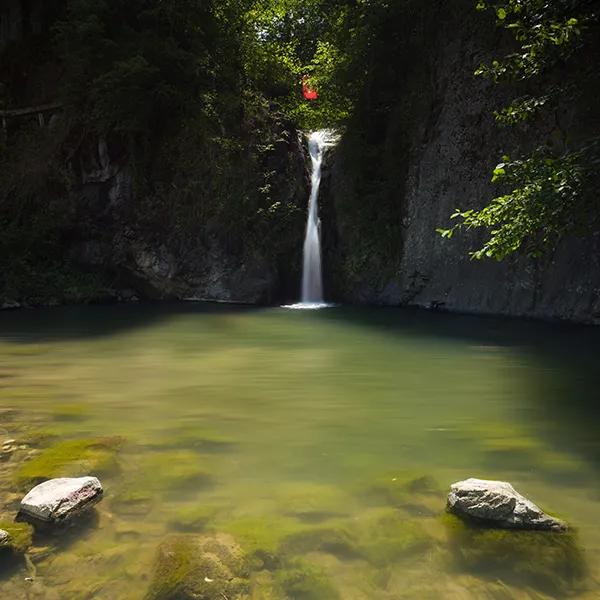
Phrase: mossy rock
(550,562)
(302,581)
(389,538)
(189,568)
(192,518)
(20,536)
(71,458)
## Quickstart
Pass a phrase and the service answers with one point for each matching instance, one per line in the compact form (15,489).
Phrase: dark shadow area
(550,562)
(10,563)
(63,535)
(77,322)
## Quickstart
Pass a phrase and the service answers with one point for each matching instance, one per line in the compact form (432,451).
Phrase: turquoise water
(285,429)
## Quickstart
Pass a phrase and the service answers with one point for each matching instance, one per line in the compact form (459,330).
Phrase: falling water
(312,278)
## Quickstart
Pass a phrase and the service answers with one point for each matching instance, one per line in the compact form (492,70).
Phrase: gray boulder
(61,499)
(500,505)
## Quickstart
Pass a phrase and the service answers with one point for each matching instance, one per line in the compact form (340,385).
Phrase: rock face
(500,505)
(61,499)
(156,257)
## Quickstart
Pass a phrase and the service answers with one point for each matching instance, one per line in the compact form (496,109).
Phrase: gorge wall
(424,142)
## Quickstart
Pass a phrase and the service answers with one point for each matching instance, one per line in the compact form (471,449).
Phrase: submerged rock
(189,567)
(61,499)
(499,504)
(548,561)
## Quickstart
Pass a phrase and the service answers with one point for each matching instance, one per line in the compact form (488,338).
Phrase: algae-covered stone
(189,568)
(498,503)
(549,561)
(61,499)
(17,536)
(303,581)
(71,458)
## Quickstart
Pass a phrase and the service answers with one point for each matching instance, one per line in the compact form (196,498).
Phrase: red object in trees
(307,91)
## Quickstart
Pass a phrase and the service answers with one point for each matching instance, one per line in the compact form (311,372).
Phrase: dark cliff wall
(424,142)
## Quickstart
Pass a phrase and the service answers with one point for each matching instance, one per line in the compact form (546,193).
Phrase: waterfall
(312,278)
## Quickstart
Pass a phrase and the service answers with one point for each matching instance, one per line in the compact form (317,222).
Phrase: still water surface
(323,441)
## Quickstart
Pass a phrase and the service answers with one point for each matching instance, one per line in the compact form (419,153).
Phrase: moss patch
(20,536)
(260,536)
(71,458)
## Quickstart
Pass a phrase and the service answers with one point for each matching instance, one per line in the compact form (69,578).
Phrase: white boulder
(4,538)
(499,504)
(62,498)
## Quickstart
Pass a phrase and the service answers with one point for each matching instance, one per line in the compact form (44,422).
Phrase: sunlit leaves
(548,198)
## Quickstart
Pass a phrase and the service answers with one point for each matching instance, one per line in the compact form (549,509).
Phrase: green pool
(318,444)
